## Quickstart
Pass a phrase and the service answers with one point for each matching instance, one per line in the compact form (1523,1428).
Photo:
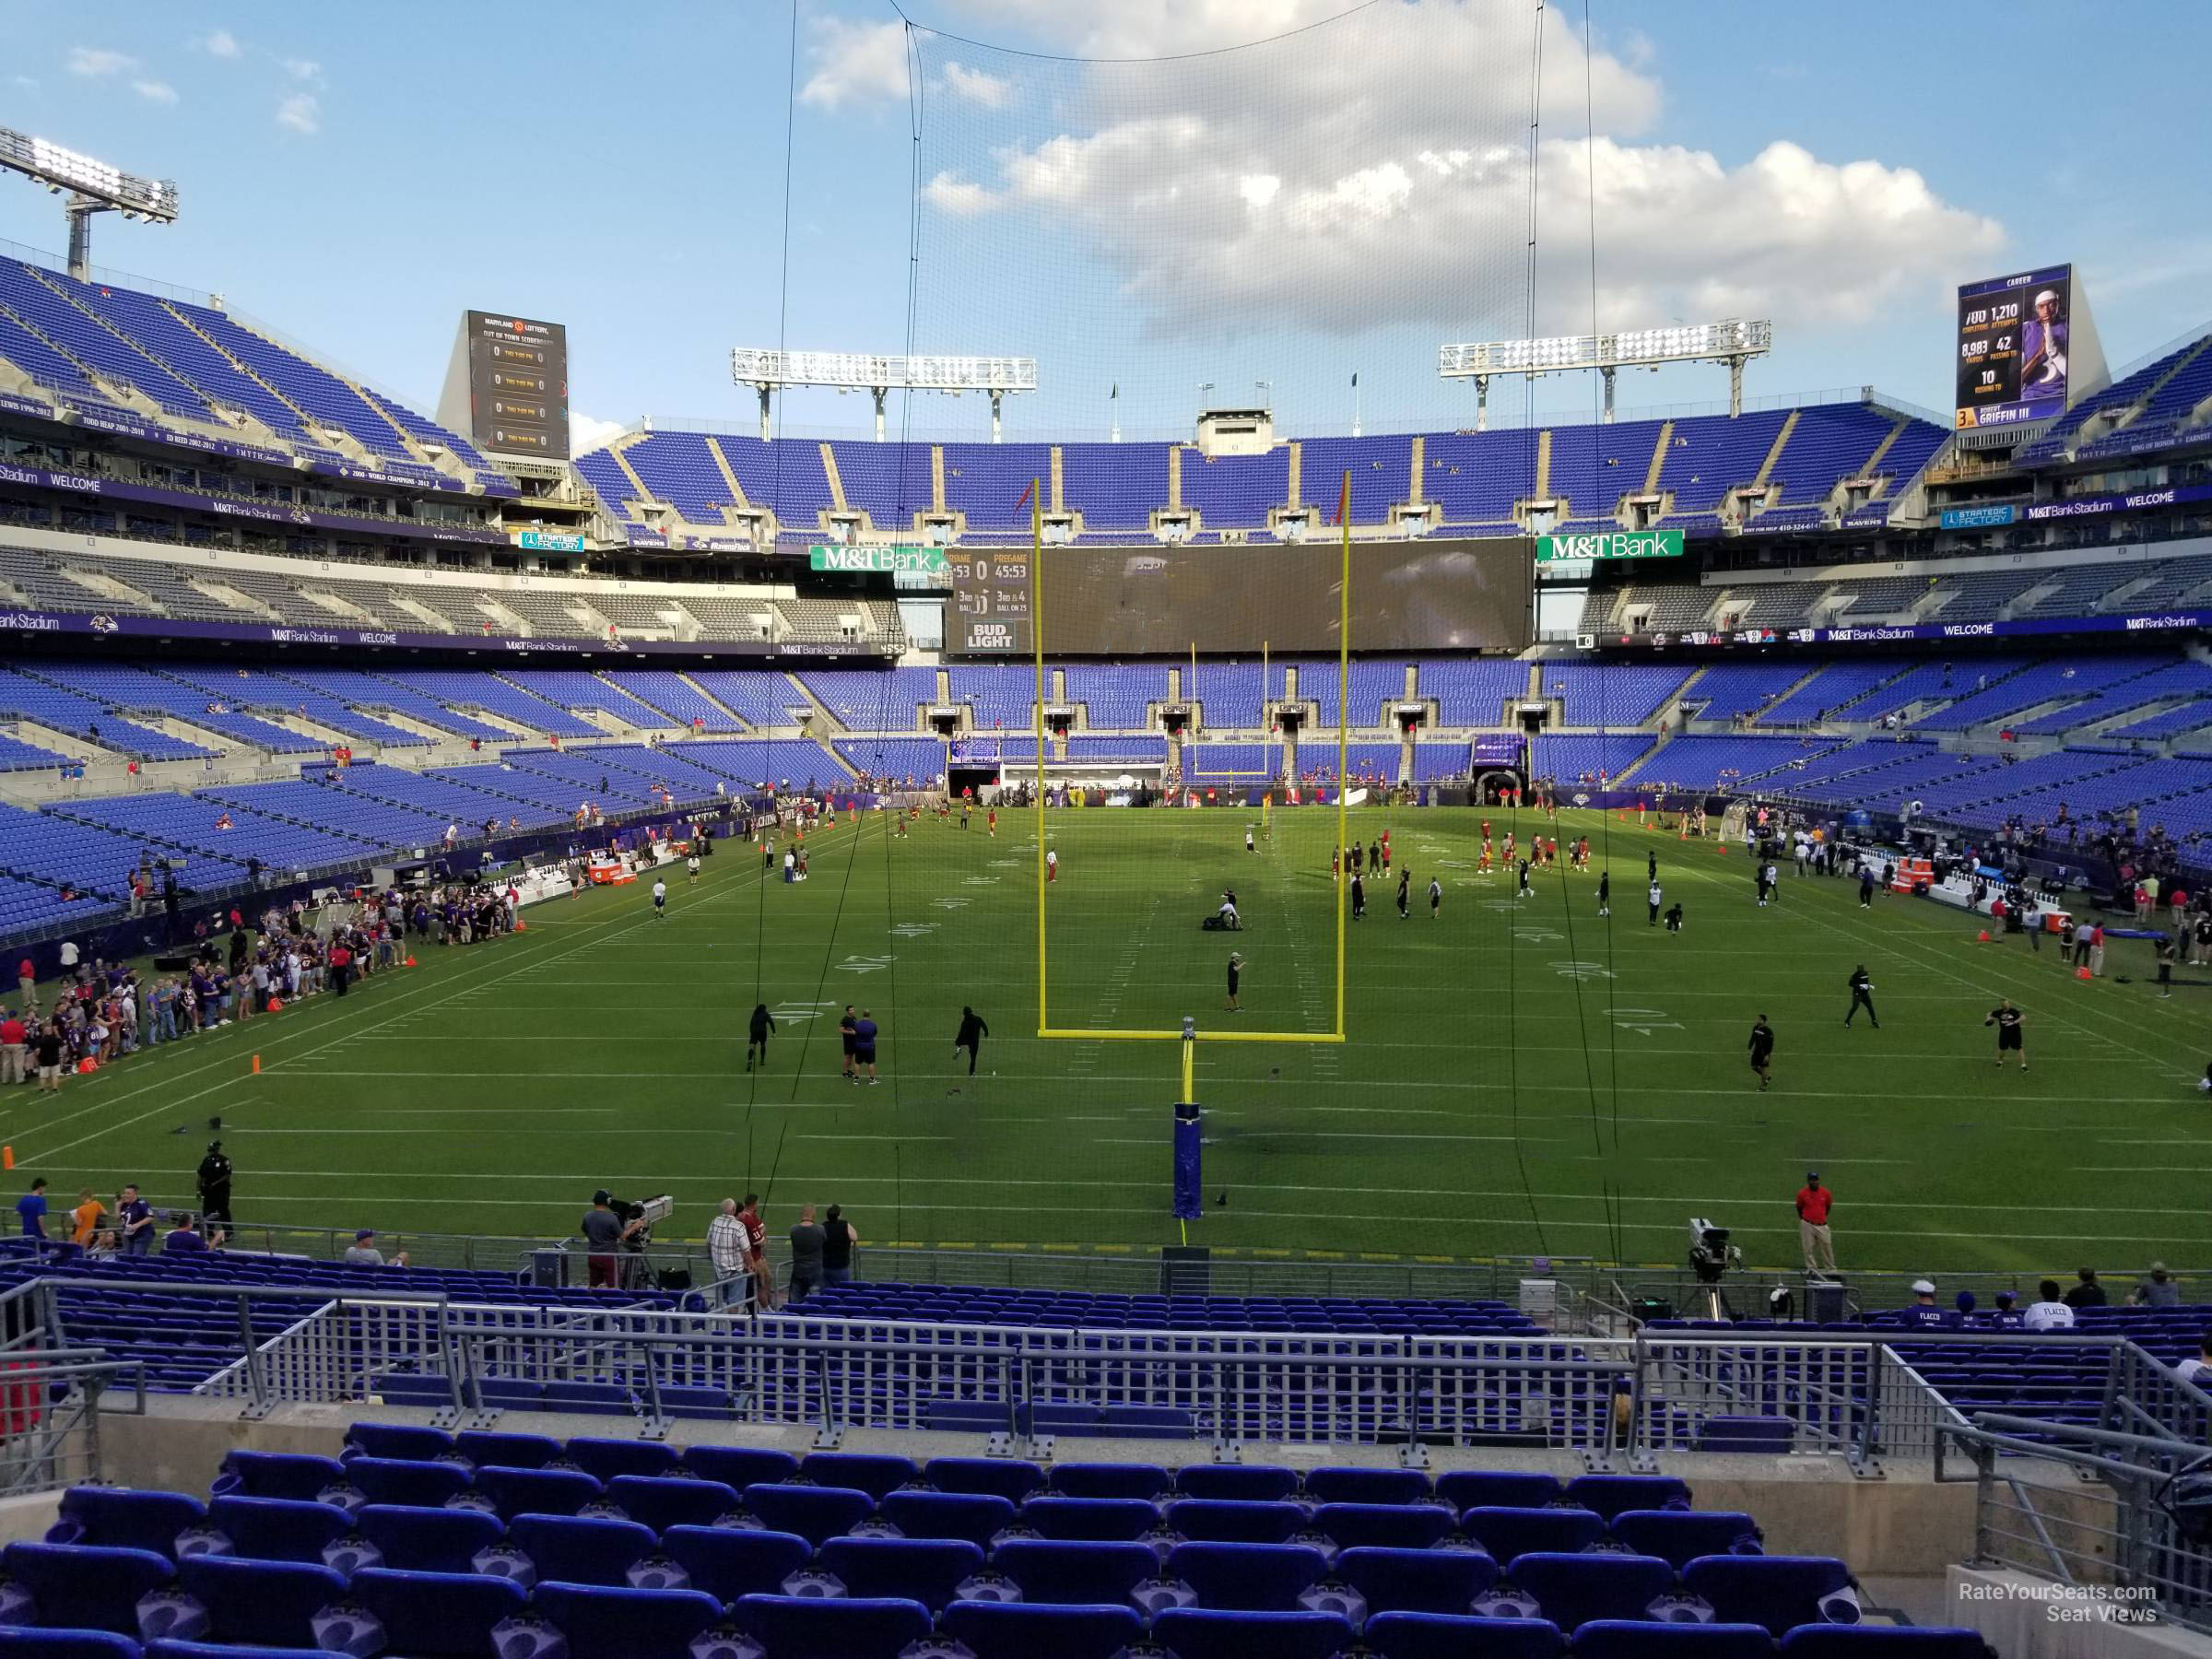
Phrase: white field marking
(1740,1201)
(1705,1091)
(349,1036)
(1559,1224)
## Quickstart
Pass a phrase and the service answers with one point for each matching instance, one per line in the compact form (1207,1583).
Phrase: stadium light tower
(93,187)
(860,371)
(1733,342)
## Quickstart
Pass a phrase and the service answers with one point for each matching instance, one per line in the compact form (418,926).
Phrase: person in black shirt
(2011,1036)
(836,1246)
(1674,917)
(1526,888)
(214,1182)
(1604,892)
(1236,965)
(1358,897)
(848,1029)
(1862,996)
(1762,1049)
(972,1033)
(1405,890)
(1651,866)
(2086,1292)
(756,1037)
(1865,886)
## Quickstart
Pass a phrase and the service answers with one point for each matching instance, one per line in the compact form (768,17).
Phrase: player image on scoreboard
(2015,359)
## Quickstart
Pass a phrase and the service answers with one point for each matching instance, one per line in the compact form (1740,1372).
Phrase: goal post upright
(1344,697)
(1037,718)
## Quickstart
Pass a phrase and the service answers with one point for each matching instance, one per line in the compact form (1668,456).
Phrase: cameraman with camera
(605,1232)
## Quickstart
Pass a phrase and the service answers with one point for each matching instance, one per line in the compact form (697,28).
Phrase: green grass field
(1519,1075)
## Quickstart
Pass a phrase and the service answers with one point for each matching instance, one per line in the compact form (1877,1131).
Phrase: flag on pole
(1354,380)
(1343,502)
(1027,491)
(1116,393)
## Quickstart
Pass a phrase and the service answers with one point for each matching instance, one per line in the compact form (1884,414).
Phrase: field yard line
(352,1035)
(1598,1225)
(2069,1021)
(713,1181)
(1703,1091)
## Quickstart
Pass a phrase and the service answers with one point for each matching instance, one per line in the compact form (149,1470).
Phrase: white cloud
(25,81)
(1348,178)
(96,61)
(854,63)
(302,113)
(222,43)
(303,69)
(956,196)
(993,91)
(587,434)
(155,91)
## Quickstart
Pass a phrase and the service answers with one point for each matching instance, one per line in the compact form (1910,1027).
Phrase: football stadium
(1179,944)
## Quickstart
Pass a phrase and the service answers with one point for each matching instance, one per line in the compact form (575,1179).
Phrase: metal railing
(50,1402)
(1859,1400)
(1133,1273)
(2084,1508)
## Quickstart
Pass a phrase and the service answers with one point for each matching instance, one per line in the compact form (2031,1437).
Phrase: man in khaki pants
(1813,1201)
(12,1037)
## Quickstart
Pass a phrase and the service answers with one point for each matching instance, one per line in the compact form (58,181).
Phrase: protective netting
(1226,230)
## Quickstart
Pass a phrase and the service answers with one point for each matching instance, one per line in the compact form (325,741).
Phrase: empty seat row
(220,1604)
(881,1474)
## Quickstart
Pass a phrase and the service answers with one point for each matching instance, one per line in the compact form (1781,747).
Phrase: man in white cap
(2043,346)
(1923,1315)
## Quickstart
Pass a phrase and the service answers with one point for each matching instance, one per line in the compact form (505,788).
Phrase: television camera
(1711,1256)
(650,1212)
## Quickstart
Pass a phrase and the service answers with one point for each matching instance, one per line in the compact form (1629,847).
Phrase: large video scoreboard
(514,373)
(2015,358)
(990,599)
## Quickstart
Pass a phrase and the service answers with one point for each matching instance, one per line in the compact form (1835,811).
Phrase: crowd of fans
(98,1011)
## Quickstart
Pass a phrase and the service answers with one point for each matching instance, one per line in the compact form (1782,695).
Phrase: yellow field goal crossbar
(1189,1036)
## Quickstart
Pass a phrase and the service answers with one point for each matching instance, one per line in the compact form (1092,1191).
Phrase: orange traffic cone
(521,925)
(7,1158)
(1983,937)
(410,961)
(257,1065)
(275,1004)
(2081,973)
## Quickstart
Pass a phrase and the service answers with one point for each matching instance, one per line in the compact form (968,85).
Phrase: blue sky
(357,176)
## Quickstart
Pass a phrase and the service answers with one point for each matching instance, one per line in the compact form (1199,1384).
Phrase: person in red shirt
(12,1039)
(756,1255)
(27,981)
(1813,1201)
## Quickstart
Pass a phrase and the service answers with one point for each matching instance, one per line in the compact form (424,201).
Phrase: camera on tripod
(1711,1255)
(650,1213)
